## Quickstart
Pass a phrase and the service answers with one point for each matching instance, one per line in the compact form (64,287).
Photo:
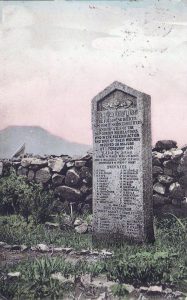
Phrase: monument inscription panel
(122,183)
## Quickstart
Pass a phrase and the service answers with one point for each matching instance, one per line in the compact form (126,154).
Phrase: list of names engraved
(118,155)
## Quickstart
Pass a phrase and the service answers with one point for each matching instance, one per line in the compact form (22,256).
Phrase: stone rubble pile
(169,178)
(71,178)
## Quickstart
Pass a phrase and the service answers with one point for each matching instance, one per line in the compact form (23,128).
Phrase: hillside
(38,141)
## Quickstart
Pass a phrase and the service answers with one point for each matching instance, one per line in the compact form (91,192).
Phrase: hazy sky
(55,56)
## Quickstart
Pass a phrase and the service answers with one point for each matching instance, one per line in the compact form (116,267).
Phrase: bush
(19,196)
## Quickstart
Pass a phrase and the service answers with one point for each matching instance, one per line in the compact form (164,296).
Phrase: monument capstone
(122,165)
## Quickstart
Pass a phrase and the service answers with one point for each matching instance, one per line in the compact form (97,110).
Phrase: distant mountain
(38,141)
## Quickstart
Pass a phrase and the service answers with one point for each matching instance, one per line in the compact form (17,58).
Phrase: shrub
(19,196)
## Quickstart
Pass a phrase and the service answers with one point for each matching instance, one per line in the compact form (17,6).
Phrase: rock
(14,274)
(80,163)
(56,164)
(167,154)
(159,188)
(165,179)
(85,175)
(152,290)
(58,276)
(176,191)
(51,225)
(43,175)
(159,200)
(167,291)
(58,249)
(2,244)
(165,145)
(156,162)
(1,168)
(82,228)
(84,252)
(42,248)
(183,181)
(70,164)
(106,253)
(129,288)
(22,171)
(68,193)
(157,170)
(16,247)
(72,178)
(143,289)
(78,222)
(24,248)
(157,155)
(178,294)
(176,153)
(25,162)
(58,179)
(89,199)
(168,172)
(31,175)
(39,162)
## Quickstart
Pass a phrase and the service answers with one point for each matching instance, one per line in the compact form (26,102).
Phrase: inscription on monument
(121,164)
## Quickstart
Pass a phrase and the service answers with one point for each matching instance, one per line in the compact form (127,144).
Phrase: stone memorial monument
(122,165)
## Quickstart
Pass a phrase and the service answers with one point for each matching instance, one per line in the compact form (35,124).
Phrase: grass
(164,262)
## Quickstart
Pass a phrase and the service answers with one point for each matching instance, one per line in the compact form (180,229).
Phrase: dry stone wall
(71,178)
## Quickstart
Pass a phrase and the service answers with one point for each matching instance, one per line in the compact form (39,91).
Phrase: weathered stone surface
(72,178)
(58,179)
(56,164)
(167,154)
(39,162)
(122,163)
(80,163)
(176,153)
(156,162)
(82,228)
(68,193)
(42,248)
(159,188)
(89,198)
(22,171)
(152,290)
(157,170)
(176,191)
(165,145)
(14,274)
(85,175)
(43,175)
(165,179)
(1,168)
(70,164)
(25,162)
(30,175)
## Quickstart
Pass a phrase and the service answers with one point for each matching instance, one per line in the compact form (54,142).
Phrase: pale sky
(55,56)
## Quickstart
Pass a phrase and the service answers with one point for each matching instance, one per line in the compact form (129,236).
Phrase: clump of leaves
(19,196)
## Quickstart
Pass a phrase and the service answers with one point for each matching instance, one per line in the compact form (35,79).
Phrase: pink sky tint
(56,56)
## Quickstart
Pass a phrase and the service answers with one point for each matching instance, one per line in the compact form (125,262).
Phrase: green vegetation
(163,262)
(19,196)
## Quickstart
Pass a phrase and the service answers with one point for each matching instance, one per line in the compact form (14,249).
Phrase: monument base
(100,240)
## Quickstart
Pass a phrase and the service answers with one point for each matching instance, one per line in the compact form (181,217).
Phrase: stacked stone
(169,176)
(70,178)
